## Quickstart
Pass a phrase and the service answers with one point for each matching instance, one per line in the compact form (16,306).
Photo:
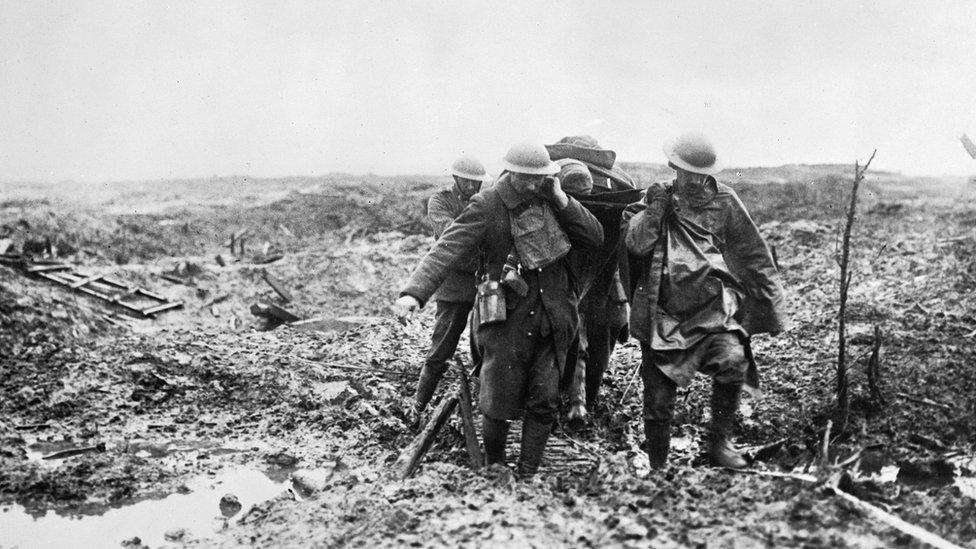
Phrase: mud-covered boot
(495,433)
(725,404)
(430,376)
(658,443)
(535,434)
(577,396)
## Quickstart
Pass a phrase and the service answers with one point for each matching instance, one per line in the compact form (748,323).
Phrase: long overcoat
(554,290)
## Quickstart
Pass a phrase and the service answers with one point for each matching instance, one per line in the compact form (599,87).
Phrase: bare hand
(556,193)
(405,306)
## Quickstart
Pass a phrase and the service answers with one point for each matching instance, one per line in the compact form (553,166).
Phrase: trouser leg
(449,322)
(541,407)
(659,396)
(601,344)
(727,362)
(495,432)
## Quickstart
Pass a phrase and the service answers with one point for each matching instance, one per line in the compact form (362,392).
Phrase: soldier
(455,296)
(707,283)
(604,308)
(524,355)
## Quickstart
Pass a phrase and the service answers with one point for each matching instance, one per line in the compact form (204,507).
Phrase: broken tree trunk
(843,396)
(467,419)
(891,520)
(410,458)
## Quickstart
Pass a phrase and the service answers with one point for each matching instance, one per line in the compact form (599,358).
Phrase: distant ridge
(647,172)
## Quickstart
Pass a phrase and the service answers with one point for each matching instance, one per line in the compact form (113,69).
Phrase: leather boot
(725,404)
(495,433)
(430,376)
(658,442)
(535,434)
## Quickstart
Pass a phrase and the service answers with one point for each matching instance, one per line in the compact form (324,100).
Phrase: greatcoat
(554,289)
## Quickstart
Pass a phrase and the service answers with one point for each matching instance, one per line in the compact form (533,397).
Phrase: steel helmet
(530,158)
(693,152)
(469,167)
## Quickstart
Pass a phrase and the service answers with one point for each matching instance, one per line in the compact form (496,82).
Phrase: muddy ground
(303,426)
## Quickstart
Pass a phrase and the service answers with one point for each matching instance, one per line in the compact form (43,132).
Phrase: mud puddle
(199,513)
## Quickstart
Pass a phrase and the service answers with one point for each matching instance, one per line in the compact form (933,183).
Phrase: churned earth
(204,428)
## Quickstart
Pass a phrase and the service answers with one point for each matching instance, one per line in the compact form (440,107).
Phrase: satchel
(539,239)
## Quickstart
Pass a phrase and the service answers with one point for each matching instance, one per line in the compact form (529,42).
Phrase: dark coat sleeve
(582,227)
(747,255)
(641,223)
(452,251)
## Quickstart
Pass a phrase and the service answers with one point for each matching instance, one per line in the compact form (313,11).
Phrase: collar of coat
(512,197)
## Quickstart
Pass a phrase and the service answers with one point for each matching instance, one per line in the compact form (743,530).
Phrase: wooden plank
(276,286)
(94,293)
(467,420)
(160,308)
(410,457)
(175,279)
(47,268)
(83,281)
(114,282)
(122,295)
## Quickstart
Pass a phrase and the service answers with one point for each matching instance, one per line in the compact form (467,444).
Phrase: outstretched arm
(452,250)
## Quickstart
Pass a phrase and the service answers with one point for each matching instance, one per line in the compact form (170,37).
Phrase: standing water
(198,512)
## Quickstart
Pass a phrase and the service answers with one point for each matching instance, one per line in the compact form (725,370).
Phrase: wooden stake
(410,457)
(277,286)
(467,419)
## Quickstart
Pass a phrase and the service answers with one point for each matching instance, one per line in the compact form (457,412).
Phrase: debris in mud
(184,272)
(332,324)
(274,314)
(926,474)
(277,286)
(176,534)
(312,481)
(264,259)
(106,288)
(229,505)
(100,447)
(282,459)
(134,543)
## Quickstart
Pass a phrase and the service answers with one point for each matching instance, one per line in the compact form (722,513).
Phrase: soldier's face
(467,187)
(527,182)
(686,178)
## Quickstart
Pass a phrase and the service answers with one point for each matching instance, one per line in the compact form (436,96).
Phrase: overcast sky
(144,90)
